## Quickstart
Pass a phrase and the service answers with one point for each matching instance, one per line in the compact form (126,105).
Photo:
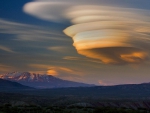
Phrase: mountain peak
(40,80)
(26,76)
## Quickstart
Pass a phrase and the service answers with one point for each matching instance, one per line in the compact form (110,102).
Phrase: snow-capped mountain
(40,81)
(26,76)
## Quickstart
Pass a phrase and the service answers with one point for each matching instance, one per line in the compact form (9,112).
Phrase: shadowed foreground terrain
(37,109)
(134,98)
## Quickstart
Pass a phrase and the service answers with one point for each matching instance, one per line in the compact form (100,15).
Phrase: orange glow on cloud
(5,68)
(102,83)
(134,57)
(52,72)
(55,70)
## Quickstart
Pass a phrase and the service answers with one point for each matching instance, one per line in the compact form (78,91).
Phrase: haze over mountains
(40,81)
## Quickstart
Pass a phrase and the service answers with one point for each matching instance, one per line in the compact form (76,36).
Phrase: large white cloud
(113,34)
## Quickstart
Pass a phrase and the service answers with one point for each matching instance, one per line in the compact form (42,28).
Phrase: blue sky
(100,42)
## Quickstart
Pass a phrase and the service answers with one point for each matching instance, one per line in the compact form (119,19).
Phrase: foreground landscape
(23,103)
(16,97)
(52,109)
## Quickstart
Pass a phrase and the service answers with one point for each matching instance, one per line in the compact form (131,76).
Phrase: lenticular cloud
(113,35)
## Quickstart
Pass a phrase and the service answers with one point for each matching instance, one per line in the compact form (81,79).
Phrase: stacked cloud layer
(113,35)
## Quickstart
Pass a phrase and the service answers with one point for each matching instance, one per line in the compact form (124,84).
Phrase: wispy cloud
(6,68)
(72,58)
(6,49)
(60,49)
(81,59)
(56,70)
(29,32)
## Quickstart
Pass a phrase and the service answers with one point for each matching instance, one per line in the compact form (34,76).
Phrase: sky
(102,42)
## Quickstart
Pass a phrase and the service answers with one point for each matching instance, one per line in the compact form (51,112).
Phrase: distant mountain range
(126,91)
(129,91)
(40,81)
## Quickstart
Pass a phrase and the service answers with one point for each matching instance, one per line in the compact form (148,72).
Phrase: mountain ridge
(11,85)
